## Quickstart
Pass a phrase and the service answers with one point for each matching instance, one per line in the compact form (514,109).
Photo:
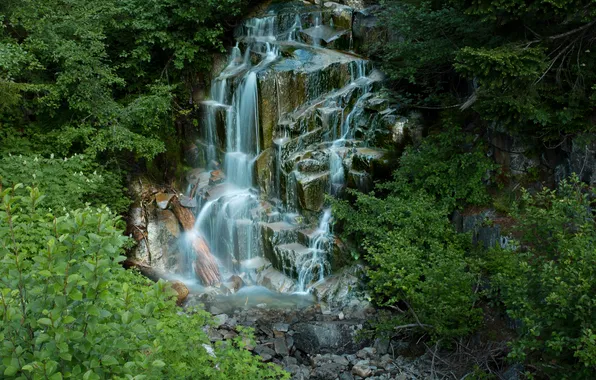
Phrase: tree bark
(205,265)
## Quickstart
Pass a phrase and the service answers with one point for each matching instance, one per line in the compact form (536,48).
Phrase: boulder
(327,337)
(327,371)
(159,246)
(276,281)
(181,290)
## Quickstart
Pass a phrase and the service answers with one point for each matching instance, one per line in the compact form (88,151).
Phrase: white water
(313,267)
(227,219)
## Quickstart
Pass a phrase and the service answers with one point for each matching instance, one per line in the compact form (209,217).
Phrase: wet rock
(186,201)
(275,281)
(236,282)
(327,337)
(311,190)
(193,155)
(273,234)
(163,200)
(287,256)
(263,172)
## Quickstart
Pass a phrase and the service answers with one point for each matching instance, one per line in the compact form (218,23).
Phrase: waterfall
(279,130)
(314,266)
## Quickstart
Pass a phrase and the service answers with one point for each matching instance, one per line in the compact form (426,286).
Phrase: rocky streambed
(315,342)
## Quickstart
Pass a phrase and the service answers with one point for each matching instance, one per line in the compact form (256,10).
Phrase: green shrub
(69,310)
(446,165)
(415,257)
(414,254)
(549,283)
(67,183)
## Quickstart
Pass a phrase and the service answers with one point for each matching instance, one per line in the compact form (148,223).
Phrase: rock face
(294,115)
(158,246)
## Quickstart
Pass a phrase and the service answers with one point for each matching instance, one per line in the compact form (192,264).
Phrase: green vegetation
(69,310)
(106,77)
(419,266)
(548,284)
(67,183)
(415,256)
(90,89)
(528,66)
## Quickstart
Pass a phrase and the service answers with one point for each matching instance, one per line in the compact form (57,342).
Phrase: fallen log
(205,265)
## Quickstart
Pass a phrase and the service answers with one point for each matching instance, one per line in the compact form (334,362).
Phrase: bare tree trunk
(205,265)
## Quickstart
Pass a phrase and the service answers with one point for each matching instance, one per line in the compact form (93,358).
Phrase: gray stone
(327,371)
(262,349)
(319,360)
(362,370)
(281,327)
(288,361)
(311,190)
(366,353)
(276,281)
(327,337)
(280,346)
(220,319)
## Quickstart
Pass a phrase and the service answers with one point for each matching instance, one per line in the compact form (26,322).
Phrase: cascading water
(314,265)
(257,121)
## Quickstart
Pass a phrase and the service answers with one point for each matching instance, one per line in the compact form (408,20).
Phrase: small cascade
(314,265)
(284,119)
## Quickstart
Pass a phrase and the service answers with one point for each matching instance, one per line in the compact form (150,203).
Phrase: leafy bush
(416,259)
(69,310)
(67,183)
(528,66)
(415,256)
(447,166)
(549,283)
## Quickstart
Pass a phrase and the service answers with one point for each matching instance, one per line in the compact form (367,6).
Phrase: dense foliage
(67,183)
(417,262)
(548,283)
(69,310)
(527,65)
(103,77)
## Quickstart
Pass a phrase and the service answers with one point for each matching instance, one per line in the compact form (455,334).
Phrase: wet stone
(281,327)
(280,347)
